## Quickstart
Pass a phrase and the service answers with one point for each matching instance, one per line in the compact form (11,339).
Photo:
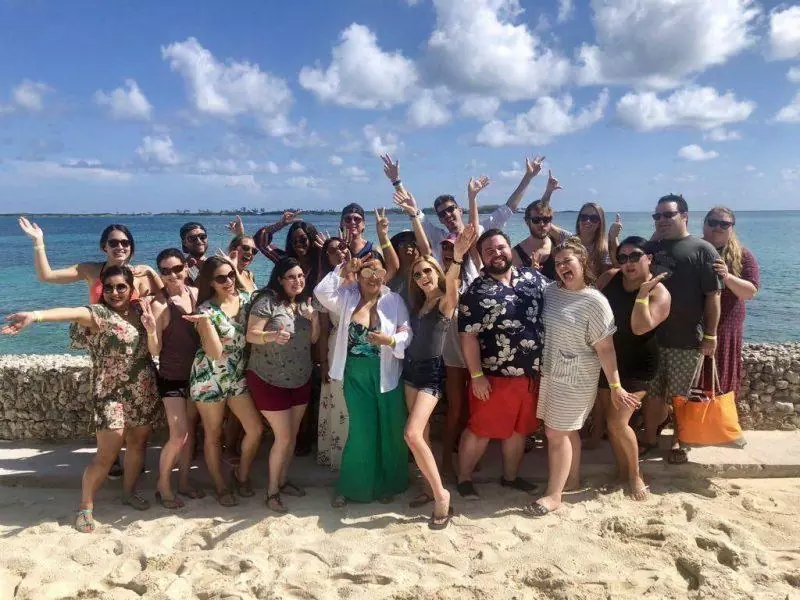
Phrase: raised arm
(651,307)
(236,227)
(42,265)
(465,240)
(532,168)
(19,321)
(613,239)
(263,237)
(389,253)
(474,187)
(405,201)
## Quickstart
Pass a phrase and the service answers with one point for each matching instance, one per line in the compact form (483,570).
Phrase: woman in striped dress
(579,328)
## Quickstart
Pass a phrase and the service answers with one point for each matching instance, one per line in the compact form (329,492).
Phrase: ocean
(771,235)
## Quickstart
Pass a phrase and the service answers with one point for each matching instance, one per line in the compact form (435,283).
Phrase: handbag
(706,417)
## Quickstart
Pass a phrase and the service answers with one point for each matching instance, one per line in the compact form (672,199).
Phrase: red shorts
(511,408)
(270,397)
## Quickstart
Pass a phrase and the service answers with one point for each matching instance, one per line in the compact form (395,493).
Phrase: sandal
(421,499)
(134,500)
(243,488)
(534,509)
(640,494)
(84,521)
(338,502)
(518,484)
(192,493)
(467,490)
(169,503)
(439,523)
(227,498)
(291,489)
(275,504)
(677,456)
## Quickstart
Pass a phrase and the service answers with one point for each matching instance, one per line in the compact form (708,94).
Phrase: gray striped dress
(573,322)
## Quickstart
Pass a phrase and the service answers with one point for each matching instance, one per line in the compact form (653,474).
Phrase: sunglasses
(118,243)
(540,220)
(633,257)
(120,288)
(714,223)
(199,237)
(373,273)
(250,249)
(426,271)
(176,270)
(223,279)
(667,214)
(447,211)
(353,219)
(589,218)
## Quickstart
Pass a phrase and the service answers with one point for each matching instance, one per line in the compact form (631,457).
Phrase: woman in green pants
(372,335)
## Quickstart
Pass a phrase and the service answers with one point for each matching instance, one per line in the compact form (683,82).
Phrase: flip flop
(243,488)
(534,509)
(677,456)
(421,500)
(291,489)
(226,498)
(275,504)
(193,494)
(169,503)
(438,523)
(518,484)
(84,521)
(134,500)
(640,494)
(467,490)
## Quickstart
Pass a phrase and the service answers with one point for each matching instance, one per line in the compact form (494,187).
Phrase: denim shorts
(426,375)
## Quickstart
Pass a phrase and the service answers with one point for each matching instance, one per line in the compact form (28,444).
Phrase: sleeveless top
(179,343)
(430,331)
(548,268)
(96,288)
(358,343)
(637,355)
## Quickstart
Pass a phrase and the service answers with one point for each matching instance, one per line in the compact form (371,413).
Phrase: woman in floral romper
(124,383)
(218,371)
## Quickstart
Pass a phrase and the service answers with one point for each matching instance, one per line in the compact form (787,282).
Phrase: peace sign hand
(476,185)
(147,317)
(391,169)
(532,167)
(320,239)
(32,230)
(381,222)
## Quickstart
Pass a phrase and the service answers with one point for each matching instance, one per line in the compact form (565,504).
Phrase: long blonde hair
(731,252)
(600,241)
(416,296)
(579,250)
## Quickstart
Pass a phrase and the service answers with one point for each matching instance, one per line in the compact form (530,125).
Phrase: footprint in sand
(726,555)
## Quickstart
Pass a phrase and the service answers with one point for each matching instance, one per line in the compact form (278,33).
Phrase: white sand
(720,539)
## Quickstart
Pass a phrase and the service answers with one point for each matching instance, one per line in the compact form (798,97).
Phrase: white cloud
(123,104)
(220,166)
(380,143)
(429,109)
(230,89)
(793,75)
(720,134)
(696,107)
(791,173)
(482,108)
(565,11)
(784,33)
(271,167)
(360,74)
(477,48)
(335,160)
(791,112)
(355,174)
(659,43)
(304,182)
(80,170)
(158,151)
(515,172)
(295,167)
(750,168)
(29,95)
(694,152)
(547,119)
(593,191)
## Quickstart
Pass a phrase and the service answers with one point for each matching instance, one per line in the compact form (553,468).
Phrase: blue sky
(151,106)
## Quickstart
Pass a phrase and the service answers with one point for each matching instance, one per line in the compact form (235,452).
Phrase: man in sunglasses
(353,223)
(543,234)
(690,331)
(194,241)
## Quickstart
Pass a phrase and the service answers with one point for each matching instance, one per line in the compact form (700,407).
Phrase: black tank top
(548,268)
(637,355)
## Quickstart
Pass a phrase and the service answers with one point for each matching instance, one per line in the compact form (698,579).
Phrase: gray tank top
(430,331)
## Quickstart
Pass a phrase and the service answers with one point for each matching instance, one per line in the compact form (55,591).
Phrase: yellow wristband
(615,386)
(393,343)
(476,374)
(644,301)
(37,316)
(709,337)
(386,245)
(38,246)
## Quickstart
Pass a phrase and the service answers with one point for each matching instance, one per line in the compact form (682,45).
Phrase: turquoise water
(772,236)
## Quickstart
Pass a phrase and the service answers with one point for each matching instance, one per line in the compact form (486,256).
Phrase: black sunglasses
(176,270)
(667,214)
(724,225)
(118,243)
(633,257)
(223,279)
(426,271)
(447,211)
(540,220)
(250,249)
(589,218)
(199,237)
(352,219)
(120,288)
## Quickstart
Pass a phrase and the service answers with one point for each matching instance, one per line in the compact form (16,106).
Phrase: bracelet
(416,215)
(264,335)
(393,343)
(615,386)
(386,245)
(644,301)
(712,338)
(38,246)
(37,316)
(396,182)
(458,262)
(476,374)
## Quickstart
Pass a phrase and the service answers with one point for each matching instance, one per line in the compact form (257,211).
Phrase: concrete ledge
(768,454)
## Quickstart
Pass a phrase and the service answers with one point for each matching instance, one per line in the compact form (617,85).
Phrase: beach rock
(785,407)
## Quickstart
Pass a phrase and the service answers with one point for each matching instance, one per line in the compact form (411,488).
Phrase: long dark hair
(169,253)
(313,252)
(203,282)
(116,271)
(324,264)
(274,289)
(117,227)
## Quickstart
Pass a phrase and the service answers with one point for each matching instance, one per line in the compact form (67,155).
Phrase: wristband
(644,301)
(712,338)
(386,245)
(264,335)
(416,215)
(458,262)
(615,386)
(38,246)
(393,343)
(37,316)
(476,374)
(396,182)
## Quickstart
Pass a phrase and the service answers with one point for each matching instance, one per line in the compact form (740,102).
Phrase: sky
(145,106)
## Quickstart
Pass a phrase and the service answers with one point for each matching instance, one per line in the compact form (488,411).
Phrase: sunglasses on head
(724,225)
(667,214)
(352,219)
(589,218)
(447,211)
(633,257)
(223,279)
(540,220)
(176,270)
(117,243)
(197,237)
(120,288)
(373,273)
(426,271)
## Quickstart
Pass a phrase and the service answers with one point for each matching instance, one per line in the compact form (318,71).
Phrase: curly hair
(574,245)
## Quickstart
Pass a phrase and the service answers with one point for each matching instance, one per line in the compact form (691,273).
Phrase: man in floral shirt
(501,330)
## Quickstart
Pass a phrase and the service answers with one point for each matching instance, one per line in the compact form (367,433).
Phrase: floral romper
(124,376)
(219,380)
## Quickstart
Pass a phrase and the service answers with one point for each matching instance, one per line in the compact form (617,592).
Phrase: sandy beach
(718,538)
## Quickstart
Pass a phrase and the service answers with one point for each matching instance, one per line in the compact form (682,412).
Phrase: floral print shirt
(507,321)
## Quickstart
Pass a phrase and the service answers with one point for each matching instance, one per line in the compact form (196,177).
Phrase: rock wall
(48,397)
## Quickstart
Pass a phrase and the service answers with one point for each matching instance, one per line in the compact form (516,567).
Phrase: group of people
(548,332)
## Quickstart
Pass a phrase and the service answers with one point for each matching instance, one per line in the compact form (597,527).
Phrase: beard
(539,235)
(498,270)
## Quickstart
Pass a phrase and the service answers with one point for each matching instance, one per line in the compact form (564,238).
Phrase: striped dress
(573,322)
